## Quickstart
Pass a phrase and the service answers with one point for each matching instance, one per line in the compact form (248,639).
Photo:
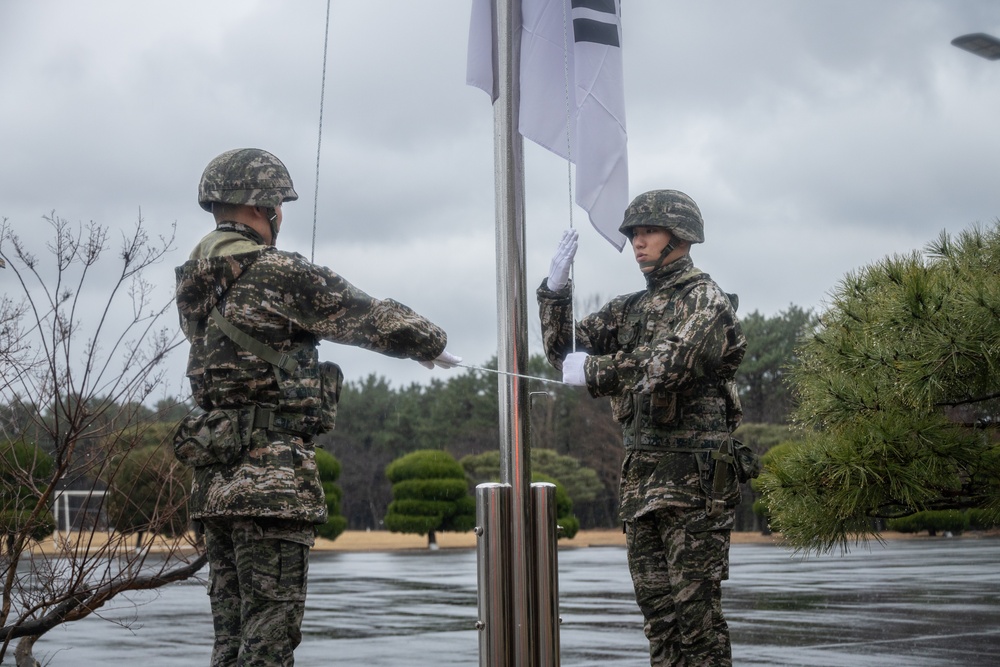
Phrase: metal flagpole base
(546,574)
(493,554)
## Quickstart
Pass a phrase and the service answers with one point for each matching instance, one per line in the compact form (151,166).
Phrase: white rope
(569,165)
(319,138)
(516,375)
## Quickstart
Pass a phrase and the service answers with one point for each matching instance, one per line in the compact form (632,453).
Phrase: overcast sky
(816,137)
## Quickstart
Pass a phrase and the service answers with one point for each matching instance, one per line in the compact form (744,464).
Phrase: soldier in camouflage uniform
(667,357)
(254,316)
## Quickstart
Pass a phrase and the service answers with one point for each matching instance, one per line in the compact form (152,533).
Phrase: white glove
(573,369)
(443,360)
(562,261)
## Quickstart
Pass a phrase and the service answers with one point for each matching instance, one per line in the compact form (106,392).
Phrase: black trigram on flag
(593,27)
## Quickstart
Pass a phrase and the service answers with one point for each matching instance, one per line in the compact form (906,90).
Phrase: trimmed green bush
(18,461)
(429,493)
(431,489)
(15,521)
(954,521)
(424,464)
(329,471)
(982,519)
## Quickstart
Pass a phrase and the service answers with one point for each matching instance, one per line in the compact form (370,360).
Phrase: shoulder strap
(254,346)
(245,340)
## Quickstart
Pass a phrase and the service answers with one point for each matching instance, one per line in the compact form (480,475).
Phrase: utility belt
(221,436)
(721,469)
(291,423)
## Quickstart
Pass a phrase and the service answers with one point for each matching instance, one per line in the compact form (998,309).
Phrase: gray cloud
(817,137)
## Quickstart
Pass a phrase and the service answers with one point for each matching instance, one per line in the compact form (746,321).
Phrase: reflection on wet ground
(918,603)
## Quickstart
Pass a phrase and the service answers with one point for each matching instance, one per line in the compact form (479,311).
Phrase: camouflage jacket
(667,357)
(289,304)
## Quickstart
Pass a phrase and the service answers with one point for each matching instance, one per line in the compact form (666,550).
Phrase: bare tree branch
(83,347)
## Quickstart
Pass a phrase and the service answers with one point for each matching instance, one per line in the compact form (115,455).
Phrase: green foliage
(763,376)
(329,471)
(171,410)
(568,524)
(327,465)
(762,437)
(378,423)
(769,459)
(982,520)
(13,522)
(147,487)
(424,464)
(24,469)
(437,488)
(420,524)
(579,481)
(429,494)
(898,392)
(953,521)
(77,382)
(546,465)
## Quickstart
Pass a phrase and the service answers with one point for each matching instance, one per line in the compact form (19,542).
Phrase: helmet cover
(670,209)
(246,176)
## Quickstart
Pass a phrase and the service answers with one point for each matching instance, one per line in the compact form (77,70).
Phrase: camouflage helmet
(247,176)
(670,209)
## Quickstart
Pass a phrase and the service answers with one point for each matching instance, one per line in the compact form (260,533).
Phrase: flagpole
(512,321)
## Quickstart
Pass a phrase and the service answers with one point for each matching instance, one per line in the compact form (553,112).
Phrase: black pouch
(621,408)
(331,379)
(746,461)
(664,409)
(217,436)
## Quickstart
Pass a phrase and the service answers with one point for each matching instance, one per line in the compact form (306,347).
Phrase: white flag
(481,66)
(581,39)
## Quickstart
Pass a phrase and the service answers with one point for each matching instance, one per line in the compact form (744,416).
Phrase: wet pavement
(919,603)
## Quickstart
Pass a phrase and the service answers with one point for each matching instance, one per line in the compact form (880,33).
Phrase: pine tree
(900,392)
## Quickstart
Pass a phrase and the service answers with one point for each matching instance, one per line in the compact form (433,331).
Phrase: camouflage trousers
(678,558)
(257,588)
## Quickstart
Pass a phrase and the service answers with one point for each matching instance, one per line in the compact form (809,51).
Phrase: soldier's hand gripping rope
(443,360)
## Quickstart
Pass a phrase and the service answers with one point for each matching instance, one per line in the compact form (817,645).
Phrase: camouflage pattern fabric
(287,303)
(678,558)
(259,495)
(258,577)
(669,209)
(276,478)
(248,177)
(667,357)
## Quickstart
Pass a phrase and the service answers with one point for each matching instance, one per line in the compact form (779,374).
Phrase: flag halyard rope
(516,375)
(319,133)
(569,165)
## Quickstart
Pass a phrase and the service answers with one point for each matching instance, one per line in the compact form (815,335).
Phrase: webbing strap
(668,450)
(283,422)
(254,346)
(723,459)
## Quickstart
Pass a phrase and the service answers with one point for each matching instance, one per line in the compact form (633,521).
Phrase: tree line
(574,440)
(883,406)
(378,423)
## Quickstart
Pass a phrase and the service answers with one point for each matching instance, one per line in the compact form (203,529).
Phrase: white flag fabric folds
(581,38)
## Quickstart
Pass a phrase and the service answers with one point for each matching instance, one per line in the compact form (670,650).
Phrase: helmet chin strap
(657,263)
(272,220)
